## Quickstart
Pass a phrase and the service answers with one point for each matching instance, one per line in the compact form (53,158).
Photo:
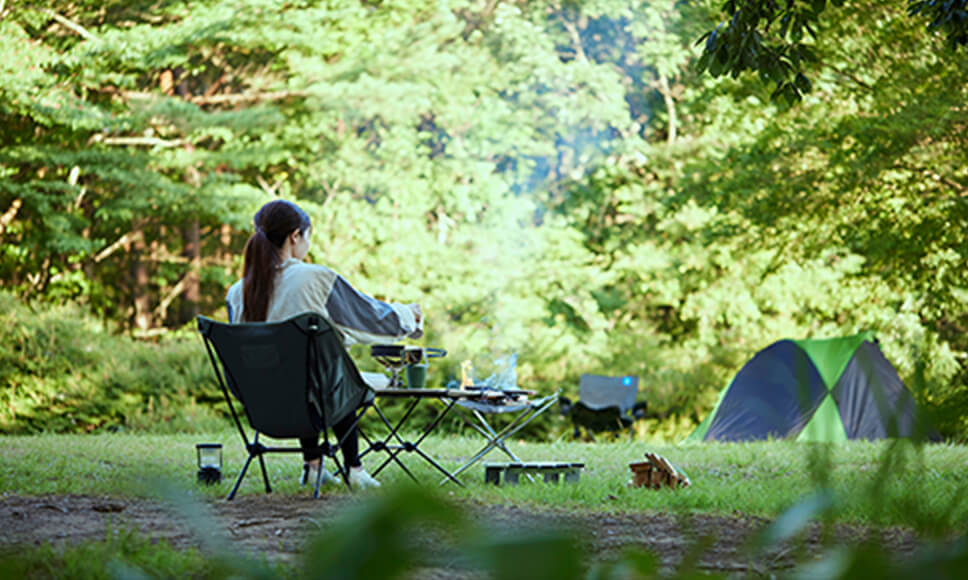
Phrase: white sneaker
(360,479)
(310,472)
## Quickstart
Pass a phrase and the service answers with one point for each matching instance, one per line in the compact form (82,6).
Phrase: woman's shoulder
(304,267)
(234,290)
(296,270)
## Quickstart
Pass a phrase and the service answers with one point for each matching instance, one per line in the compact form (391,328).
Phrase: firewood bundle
(657,472)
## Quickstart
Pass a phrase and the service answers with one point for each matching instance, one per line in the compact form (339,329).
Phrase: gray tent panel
(774,395)
(887,410)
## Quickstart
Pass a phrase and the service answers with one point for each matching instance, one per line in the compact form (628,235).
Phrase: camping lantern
(209,462)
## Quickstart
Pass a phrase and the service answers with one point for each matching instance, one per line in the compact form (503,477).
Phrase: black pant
(346,434)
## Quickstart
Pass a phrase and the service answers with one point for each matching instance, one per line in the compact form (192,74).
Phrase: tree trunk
(670,104)
(140,290)
(225,247)
(191,249)
(192,295)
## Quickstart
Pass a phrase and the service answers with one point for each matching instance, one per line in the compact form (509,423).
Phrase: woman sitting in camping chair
(276,285)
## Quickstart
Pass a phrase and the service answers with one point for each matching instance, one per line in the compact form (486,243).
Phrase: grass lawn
(873,483)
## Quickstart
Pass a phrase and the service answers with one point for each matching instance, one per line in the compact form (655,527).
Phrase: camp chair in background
(604,404)
(293,379)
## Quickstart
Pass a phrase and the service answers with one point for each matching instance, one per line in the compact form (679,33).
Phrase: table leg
(495,439)
(393,450)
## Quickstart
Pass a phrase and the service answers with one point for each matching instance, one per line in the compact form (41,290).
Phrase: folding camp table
(393,443)
(474,401)
(493,401)
(474,404)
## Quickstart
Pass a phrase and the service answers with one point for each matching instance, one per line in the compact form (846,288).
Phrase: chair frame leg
(265,474)
(238,480)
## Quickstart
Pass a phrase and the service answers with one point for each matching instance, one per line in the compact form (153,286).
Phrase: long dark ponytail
(273,223)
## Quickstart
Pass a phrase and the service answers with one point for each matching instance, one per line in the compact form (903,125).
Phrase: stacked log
(657,472)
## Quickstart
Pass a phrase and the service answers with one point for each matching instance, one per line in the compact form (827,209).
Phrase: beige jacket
(359,318)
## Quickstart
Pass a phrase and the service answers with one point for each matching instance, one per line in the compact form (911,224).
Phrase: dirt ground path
(277,525)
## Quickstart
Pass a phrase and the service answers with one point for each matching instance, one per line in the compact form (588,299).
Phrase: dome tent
(813,390)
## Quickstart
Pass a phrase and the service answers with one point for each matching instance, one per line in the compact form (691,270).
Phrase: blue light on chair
(605,404)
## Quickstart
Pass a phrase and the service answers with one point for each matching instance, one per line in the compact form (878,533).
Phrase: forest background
(556,180)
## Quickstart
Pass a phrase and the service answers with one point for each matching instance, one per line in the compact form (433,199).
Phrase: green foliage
(124,553)
(768,37)
(551,179)
(777,39)
(63,370)
(411,528)
(799,223)
(950,17)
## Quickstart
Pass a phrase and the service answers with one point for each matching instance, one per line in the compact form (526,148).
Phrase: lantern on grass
(209,462)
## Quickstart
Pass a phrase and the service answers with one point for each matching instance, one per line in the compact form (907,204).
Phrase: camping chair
(293,379)
(604,404)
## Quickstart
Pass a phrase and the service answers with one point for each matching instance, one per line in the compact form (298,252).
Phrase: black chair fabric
(293,378)
(605,403)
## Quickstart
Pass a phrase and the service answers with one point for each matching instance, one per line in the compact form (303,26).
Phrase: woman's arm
(362,318)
